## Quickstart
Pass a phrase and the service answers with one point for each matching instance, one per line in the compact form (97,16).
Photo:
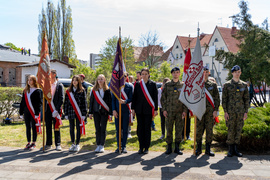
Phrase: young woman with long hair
(30,107)
(75,111)
(100,108)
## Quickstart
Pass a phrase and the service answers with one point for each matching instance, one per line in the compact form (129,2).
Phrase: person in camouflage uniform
(173,110)
(235,102)
(208,119)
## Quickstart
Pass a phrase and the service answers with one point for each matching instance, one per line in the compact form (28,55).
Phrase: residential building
(94,60)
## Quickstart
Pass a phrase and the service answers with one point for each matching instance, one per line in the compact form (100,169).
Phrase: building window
(177,46)
(176,55)
(181,55)
(216,40)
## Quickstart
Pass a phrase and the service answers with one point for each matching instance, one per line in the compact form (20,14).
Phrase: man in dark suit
(144,111)
(57,98)
(125,112)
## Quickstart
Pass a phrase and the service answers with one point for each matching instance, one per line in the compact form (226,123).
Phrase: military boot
(230,152)
(177,150)
(199,149)
(208,150)
(169,149)
(236,152)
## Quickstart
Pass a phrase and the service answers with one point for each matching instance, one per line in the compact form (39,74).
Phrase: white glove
(21,116)
(83,117)
(55,113)
(66,117)
(36,117)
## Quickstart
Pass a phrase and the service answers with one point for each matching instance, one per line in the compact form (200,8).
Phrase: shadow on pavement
(227,164)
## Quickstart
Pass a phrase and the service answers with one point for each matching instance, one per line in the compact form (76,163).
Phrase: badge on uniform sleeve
(238,89)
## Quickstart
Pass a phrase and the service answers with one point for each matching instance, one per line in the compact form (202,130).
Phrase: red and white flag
(193,92)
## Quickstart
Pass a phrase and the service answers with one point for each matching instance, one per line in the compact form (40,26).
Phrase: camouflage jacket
(170,97)
(213,90)
(235,97)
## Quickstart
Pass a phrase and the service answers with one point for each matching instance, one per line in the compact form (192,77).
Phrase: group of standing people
(141,100)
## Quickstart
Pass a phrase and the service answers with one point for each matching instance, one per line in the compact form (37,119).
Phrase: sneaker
(46,147)
(129,136)
(27,146)
(77,148)
(124,150)
(32,146)
(101,149)
(116,151)
(154,129)
(162,136)
(97,149)
(58,148)
(72,147)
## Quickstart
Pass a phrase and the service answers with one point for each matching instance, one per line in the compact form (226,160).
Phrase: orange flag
(43,75)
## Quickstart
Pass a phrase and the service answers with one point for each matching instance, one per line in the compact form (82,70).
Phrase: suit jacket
(139,102)
(36,100)
(80,98)
(58,98)
(115,103)
(94,106)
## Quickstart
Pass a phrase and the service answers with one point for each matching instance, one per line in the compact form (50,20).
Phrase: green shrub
(255,133)
(7,98)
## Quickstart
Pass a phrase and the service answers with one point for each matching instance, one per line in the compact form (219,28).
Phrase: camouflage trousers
(206,123)
(174,119)
(235,125)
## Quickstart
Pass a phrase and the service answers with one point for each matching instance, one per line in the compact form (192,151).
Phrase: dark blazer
(94,106)
(80,98)
(36,100)
(58,98)
(139,102)
(115,103)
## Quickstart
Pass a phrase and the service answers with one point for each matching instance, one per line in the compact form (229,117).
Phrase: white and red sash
(211,101)
(100,100)
(124,97)
(147,96)
(32,112)
(77,110)
(58,123)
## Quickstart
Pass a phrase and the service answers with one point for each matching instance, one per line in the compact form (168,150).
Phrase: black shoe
(230,152)
(199,149)
(208,150)
(177,150)
(32,146)
(236,152)
(154,129)
(145,151)
(117,151)
(27,146)
(169,149)
(140,151)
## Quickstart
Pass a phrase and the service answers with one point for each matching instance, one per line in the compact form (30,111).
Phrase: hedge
(255,133)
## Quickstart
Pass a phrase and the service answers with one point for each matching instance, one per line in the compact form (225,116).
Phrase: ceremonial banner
(186,64)
(193,92)
(118,78)
(43,75)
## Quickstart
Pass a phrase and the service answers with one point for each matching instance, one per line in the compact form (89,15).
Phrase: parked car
(66,82)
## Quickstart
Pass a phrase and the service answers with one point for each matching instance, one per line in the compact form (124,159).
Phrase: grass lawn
(14,136)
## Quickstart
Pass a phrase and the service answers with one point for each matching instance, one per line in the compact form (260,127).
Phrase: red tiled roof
(204,39)
(165,56)
(141,53)
(229,40)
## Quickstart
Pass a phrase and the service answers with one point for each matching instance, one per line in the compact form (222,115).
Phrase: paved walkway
(20,164)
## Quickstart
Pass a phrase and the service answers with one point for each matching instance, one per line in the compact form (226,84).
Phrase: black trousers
(71,130)
(49,122)
(30,124)
(100,125)
(187,127)
(144,130)
(162,119)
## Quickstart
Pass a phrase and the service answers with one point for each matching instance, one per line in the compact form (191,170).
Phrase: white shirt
(159,97)
(31,91)
(74,89)
(53,88)
(101,92)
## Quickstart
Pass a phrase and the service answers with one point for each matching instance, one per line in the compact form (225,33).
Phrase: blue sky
(94,21)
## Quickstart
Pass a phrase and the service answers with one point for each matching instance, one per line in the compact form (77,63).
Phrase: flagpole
(195,125)
(43,121)
(120,106)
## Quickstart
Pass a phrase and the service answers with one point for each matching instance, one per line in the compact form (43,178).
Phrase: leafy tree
(11,45)
(254,54)
(108,55)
